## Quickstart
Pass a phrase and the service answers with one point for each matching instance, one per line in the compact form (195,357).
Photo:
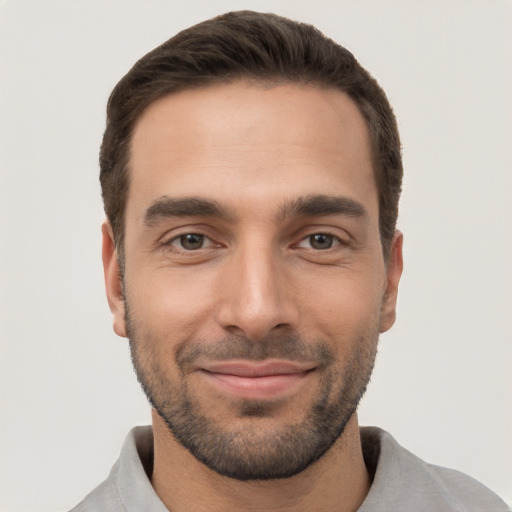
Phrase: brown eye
(190,241)
(321,241)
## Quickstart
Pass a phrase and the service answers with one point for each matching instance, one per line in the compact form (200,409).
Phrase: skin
(254,149)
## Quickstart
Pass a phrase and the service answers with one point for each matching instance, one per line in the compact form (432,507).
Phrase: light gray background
(443,382)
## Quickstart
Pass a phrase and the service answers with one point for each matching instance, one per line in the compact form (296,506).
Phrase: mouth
(262,380)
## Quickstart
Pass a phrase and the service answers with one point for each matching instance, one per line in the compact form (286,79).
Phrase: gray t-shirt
(401,481)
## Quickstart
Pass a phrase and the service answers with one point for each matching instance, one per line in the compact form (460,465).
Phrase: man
(251,173)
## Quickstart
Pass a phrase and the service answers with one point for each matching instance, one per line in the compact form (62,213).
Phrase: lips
(268,379)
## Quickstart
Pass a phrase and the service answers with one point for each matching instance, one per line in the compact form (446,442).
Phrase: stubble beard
(243,452)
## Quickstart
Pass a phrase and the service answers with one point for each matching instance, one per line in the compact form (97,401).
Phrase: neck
(337,481)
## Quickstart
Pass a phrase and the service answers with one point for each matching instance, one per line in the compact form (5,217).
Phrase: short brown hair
(254,46)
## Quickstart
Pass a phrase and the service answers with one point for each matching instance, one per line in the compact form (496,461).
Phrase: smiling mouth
(264,380)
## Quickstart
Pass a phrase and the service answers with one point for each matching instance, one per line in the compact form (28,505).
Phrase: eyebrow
(309,206)
(166,207)
(319,205)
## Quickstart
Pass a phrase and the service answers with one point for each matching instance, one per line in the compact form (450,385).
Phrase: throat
(338,481)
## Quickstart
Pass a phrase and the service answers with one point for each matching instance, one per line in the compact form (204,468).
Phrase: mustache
(291,347)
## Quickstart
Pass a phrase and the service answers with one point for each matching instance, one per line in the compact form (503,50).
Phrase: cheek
(346,306)
(171,302)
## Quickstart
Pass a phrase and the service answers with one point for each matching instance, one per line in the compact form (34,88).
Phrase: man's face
(255,286)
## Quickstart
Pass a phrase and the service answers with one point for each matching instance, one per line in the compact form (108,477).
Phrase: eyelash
(335,241)
(179,238)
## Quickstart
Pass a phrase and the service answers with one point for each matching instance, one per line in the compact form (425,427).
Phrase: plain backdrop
(443,381)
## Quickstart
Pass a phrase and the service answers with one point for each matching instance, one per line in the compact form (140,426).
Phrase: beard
(241,449)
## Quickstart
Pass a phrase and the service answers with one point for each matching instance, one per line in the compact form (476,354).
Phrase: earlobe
(393,274)
(113,280)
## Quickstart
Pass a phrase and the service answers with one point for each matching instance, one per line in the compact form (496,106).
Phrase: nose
(257,296)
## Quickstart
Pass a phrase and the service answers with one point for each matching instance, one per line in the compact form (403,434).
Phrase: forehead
(247,140)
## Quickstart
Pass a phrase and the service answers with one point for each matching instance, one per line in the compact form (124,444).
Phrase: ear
(113,281)
(393,273)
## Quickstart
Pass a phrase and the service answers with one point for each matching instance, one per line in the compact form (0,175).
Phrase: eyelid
(170,239)
(337,241)
(207,241)
(340,236)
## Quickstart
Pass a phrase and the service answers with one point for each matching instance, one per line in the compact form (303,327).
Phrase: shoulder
(402,481)
(104,497)
(127,487)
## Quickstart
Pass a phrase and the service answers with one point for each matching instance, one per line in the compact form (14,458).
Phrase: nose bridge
(256,300)
(259,279)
